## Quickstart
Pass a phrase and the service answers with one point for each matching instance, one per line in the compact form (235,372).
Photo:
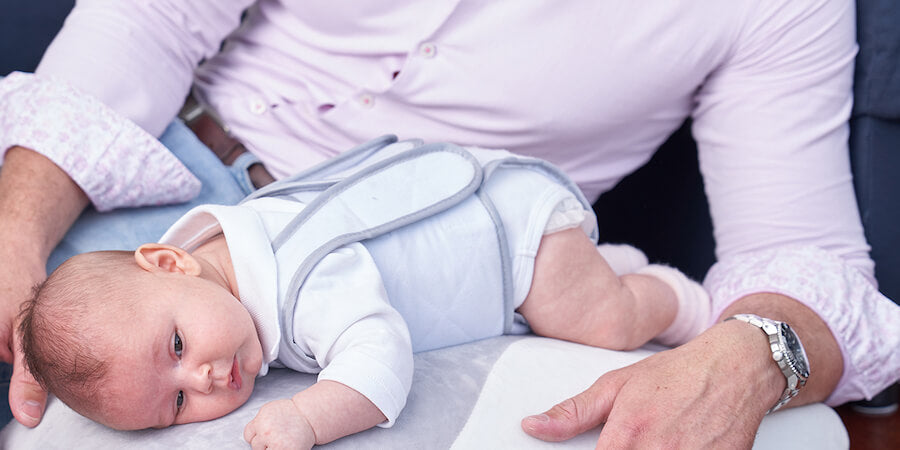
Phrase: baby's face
(190,354)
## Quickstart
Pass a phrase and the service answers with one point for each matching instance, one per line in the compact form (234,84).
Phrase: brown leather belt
(209,130)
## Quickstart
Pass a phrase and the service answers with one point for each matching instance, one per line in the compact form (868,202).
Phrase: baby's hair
(58,326)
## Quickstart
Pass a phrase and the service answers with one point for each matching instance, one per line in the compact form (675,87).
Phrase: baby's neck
(215,260)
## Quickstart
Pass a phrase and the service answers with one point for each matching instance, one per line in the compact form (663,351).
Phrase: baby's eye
(180,399)
(178,345)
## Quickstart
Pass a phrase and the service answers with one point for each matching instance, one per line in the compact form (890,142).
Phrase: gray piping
(341,161)
(329,189)
(293,289)
(505,260)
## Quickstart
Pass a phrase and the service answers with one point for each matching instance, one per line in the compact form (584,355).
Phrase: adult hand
(712,392)
(26,397)
(38,203)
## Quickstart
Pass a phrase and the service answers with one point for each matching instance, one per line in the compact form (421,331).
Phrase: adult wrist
(28,249)
(38,203)
(26,255)
(752,357)
(787,352)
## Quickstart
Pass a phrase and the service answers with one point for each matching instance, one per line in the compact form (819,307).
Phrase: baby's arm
(326,411)
(343,320)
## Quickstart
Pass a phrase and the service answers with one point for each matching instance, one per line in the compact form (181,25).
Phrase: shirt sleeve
(344,319)
(865,322)
(772,132)
(138,57)
(115,162)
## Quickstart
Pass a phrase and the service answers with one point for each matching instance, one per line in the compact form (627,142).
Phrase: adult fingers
(575,415)
(27,398)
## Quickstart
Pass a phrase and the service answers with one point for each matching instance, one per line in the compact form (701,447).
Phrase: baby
(178,331)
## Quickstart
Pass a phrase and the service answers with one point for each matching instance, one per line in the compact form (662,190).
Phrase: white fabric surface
(531,374)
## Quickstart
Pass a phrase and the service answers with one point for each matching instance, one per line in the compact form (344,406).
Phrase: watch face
(795,350)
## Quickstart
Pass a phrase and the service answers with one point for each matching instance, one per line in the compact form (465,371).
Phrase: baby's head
(138,340)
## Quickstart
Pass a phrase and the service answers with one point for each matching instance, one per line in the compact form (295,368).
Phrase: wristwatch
(787,351)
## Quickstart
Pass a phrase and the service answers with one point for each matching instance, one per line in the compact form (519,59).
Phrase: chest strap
(378,198)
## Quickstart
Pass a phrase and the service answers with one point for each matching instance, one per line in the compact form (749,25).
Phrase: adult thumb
(26,397)
(572,416)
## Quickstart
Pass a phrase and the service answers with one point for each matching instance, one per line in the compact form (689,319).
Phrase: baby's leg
(576,296)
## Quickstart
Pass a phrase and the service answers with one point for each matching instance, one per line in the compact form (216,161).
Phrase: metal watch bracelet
(787,352)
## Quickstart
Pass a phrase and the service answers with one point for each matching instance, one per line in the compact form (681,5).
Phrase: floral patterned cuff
(114,161)
(865,323)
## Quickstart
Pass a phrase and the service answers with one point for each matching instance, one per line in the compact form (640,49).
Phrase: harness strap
(377,199)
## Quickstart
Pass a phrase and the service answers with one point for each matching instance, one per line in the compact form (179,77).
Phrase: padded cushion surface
(470,396)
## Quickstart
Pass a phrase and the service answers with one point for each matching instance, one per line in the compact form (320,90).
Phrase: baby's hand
(279,425)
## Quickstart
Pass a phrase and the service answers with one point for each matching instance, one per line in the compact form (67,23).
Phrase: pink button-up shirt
(593,87)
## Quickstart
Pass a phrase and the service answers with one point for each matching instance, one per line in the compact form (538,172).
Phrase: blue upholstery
(26,28)
(875,139)
(875,153)
(877,81)
(661,208)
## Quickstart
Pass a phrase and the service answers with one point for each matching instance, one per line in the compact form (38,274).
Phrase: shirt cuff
(865,323)
(115,162)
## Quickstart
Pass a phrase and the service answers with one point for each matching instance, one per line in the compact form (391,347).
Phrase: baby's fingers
(250,433)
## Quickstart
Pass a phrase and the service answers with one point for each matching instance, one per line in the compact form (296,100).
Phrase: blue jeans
(125,229)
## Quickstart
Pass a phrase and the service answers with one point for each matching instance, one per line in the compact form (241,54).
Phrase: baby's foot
(694,306)
(622,258)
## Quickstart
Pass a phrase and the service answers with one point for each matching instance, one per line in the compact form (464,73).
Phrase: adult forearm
(38,204)
(823,352)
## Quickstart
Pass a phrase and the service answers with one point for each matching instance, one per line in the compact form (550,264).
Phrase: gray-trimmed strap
(382,197)
(321,171)
(505,261)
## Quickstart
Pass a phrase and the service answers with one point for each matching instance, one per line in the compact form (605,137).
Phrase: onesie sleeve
(344,319)
(772,128)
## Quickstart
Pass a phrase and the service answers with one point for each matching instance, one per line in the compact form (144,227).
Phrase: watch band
(787,352)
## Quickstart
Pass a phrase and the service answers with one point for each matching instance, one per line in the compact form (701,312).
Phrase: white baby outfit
(364,308)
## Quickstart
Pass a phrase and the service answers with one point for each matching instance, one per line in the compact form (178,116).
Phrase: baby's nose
(202,381)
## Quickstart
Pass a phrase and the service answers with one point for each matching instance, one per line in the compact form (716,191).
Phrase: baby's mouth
(235,375)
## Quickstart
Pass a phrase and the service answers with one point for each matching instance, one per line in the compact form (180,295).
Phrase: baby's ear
(166,258)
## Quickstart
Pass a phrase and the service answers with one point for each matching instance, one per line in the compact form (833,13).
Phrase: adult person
(594,87)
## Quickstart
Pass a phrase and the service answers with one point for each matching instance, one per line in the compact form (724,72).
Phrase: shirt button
(257,106)
(428,50)
(367,100)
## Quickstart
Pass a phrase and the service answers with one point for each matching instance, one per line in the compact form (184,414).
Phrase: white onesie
(366,307)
